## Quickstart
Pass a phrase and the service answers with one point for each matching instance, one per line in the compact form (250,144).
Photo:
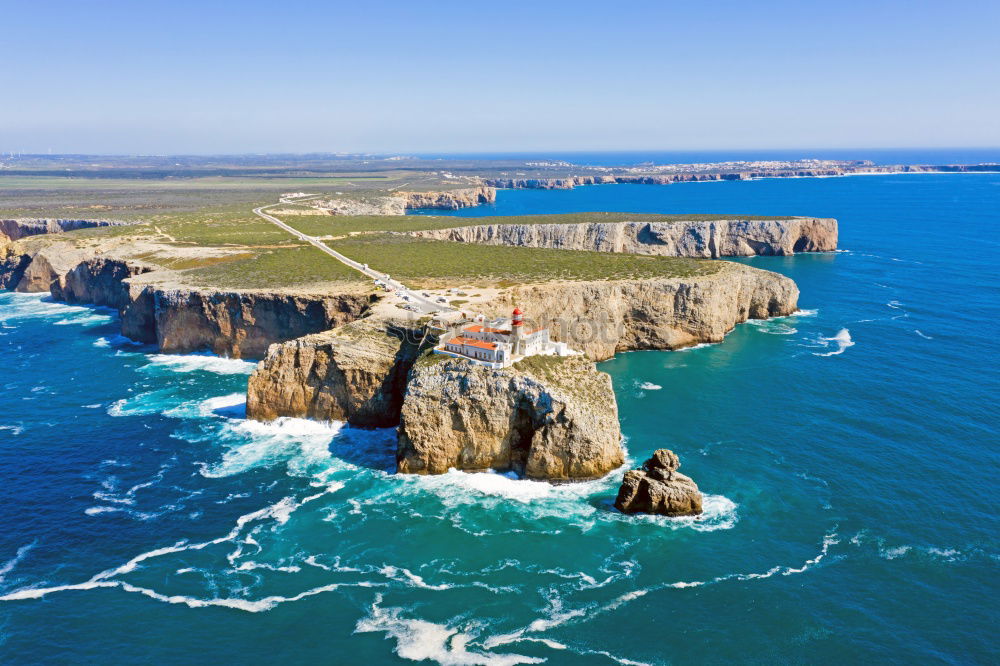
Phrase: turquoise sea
(849,454)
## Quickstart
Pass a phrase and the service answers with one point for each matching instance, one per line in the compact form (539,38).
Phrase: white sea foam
(12,563)
(302,444)
(556,615)
(199,362)
(842,340)
(700,345)
(649,386)
(116,341)
(922,334)
(420,640)
(894,552)
(13,429)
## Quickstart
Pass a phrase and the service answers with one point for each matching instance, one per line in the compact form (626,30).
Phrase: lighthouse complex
(498,343)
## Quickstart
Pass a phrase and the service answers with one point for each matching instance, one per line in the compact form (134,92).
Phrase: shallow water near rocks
(847,452)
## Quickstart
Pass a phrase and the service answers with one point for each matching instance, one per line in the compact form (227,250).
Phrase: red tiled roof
(472,343)
(484,329)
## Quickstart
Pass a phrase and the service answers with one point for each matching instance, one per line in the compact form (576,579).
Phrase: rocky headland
(328,356)
(543,418)
(665,175)
(657,487)
(355,373)
(603,318)
(397,203)
(680,238)
(157,307)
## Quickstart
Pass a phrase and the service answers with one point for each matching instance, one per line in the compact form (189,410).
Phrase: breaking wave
(200,362)
(842,340)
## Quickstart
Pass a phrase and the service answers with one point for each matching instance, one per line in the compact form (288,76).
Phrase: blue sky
(241,77)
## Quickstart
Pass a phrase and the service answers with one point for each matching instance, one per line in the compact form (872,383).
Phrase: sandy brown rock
(450,199)
(14,259)
(16,229)
(544,418)
(98,281)
(238,324)
(355,373)
(48,266)
(709,239)
(397,203)
(603,318)
(659,488)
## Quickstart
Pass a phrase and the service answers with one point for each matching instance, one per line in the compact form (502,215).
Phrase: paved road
(424,305)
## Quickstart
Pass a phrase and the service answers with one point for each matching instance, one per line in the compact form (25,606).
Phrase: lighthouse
(517,332)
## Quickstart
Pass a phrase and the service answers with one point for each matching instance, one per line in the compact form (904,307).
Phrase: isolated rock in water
(659,488)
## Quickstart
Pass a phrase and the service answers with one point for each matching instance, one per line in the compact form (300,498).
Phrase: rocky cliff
(237,324)
(16,229)
(397,203)
(544,418)
(355,373)
(603,318)
(156,308)
(14,259)
(98,281)
(681,238)
(450,199)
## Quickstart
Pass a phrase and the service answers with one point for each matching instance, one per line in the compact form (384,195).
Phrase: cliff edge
(355,373)
(709,239)
(545,417)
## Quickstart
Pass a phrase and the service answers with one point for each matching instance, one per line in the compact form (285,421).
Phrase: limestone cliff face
(47,267)
(693,238)
(397,203)
(232,323)
(355,373)
(14,259)
(450,199)
(178,318)
(15,229)
(98,281)
(545,418)
(603,318)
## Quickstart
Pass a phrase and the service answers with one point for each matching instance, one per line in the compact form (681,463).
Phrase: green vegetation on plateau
(428,262)
(274,268)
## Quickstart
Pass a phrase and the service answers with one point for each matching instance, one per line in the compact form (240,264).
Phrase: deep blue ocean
(849,455)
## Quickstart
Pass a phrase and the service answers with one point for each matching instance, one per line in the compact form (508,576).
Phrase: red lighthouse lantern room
(517,317)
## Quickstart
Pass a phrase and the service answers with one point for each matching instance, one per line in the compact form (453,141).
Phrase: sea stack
(659,488)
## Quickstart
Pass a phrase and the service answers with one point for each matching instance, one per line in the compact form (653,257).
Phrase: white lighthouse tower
(517,332)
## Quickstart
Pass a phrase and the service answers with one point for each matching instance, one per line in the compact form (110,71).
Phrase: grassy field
(426,263)
(274,268)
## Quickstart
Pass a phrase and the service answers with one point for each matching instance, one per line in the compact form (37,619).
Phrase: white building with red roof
(499,343)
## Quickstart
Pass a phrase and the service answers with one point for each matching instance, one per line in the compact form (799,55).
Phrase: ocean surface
(849,457)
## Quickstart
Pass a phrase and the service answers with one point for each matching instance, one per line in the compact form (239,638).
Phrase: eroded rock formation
(544,418)
(16,229)
(659,488)
(355,373)
(238,324)
(683,238)
(604,318)
(397,203)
